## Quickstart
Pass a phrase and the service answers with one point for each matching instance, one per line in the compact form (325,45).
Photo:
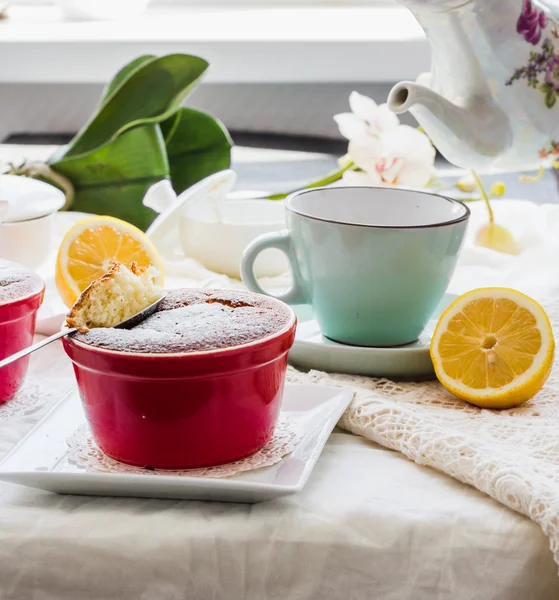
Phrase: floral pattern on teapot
(531,22)
(542,70)
(491,98)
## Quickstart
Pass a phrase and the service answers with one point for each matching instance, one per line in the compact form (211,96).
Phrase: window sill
(243,45)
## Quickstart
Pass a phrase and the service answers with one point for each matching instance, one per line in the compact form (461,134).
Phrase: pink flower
(531,22)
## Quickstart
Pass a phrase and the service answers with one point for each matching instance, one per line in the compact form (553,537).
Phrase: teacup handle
(281,241)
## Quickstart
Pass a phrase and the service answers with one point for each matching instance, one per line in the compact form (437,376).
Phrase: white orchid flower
(366,118)
(400,156)
(386,152)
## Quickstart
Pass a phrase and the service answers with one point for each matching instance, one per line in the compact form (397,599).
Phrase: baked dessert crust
(194,320)
(17,282)
(83,307)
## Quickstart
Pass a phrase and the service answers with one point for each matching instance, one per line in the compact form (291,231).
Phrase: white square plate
(38,461)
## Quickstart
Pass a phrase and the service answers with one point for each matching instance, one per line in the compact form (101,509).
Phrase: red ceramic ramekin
(17,326)
(187,410)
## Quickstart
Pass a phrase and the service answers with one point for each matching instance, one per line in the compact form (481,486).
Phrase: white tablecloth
(369,524)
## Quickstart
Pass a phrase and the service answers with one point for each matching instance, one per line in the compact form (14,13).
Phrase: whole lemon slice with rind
(493,347)
(89,247)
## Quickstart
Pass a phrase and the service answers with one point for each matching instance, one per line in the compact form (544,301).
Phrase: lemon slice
(493,347)
(91,245)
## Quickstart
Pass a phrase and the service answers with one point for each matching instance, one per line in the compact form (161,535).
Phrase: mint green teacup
(373,262)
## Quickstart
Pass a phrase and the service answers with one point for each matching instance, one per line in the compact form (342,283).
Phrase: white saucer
(314,351)
(41,461)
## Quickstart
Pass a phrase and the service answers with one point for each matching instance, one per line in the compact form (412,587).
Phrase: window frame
(225,3)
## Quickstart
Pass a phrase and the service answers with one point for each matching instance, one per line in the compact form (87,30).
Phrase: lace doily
(86,455)
(27,400)
(511,455)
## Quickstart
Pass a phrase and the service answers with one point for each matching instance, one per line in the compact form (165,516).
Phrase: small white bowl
(28,243)
(218,240)
(27,229)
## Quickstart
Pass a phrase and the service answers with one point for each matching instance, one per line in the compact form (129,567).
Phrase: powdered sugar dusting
(188,321)
(17,282)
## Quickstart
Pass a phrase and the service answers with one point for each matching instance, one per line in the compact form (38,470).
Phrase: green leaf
(122,202)
(123,148)
(550,99)
(151,93)
(124,74)
(58,154)
(546,88)
(197,146)
(113,179)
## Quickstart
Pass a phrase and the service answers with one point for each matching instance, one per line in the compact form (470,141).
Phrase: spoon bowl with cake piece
(121,298)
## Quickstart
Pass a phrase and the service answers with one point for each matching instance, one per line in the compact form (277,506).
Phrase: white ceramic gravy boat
(213,226)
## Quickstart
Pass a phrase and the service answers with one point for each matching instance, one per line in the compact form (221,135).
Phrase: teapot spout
(470,136)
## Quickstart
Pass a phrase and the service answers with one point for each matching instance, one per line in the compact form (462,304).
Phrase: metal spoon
(127,324)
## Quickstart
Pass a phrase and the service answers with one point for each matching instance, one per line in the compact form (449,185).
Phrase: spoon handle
(10,359)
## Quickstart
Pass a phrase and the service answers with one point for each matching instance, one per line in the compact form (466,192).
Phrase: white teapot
(492,96)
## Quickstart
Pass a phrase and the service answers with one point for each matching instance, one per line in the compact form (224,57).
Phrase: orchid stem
(331,178)
(484,196)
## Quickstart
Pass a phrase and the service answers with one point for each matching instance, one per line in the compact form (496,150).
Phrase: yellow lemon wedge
(91,245)
(493,347)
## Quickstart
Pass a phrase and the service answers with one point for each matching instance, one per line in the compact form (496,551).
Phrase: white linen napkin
(534,271)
